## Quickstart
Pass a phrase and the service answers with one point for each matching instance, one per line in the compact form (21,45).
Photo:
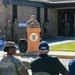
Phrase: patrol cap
(9,44)
(43,45)
(32,16)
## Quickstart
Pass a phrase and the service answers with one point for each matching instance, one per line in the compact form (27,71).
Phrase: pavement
(51,42)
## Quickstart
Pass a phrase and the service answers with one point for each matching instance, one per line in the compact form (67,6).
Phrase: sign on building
(22,24)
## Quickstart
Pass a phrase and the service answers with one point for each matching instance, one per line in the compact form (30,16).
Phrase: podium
(33,39)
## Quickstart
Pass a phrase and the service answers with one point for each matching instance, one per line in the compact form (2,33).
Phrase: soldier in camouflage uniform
(46,28)
(8,30)
(67,28)
(15,30)
(33,23)
(10,65)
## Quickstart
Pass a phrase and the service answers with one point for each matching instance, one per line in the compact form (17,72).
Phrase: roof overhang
(45,4)
(26,3)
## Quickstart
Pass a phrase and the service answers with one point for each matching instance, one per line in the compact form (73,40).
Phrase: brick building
(58,12)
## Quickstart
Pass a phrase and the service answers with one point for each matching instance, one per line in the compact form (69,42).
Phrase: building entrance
(66,22)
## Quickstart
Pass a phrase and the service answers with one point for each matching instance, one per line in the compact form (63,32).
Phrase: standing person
(33,23)
(10,64)
(71,67)
(8,30)
(45,63)
(15,30)
(46,26)
(67,28)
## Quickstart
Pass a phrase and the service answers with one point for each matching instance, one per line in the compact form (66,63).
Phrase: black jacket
(52,65)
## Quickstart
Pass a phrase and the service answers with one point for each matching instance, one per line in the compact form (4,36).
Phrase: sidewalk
(59,54)
(26,58)
(51,42)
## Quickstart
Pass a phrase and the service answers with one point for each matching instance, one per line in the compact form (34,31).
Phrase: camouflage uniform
(8,30)
(67,29)
(46,28)
(15,31)
(35,25)
(16,67)
(10,65)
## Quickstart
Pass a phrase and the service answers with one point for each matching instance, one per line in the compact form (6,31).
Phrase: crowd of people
(10,65)
(43,64)
(11,28)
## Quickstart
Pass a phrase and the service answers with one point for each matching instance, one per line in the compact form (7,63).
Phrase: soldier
(15,30)
(67,28)
(8,30)
(10,65)
(45,63)
(33,23)
(45,29)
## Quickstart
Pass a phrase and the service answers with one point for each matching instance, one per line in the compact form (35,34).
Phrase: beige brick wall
(7,16)
(42,21)
(53,20)
(5,12)
(2,15)
(24,13)
(8,12)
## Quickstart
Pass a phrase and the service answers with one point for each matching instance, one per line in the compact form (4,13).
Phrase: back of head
(43,47)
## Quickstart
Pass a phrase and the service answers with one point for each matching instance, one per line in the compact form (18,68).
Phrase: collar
(43,55)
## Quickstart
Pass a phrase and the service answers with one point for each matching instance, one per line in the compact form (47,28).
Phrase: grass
(70,46)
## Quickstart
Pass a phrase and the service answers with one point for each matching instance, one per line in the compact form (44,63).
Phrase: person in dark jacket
(71,67)
(45,63)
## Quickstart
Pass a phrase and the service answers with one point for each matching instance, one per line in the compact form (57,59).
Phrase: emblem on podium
(33,37)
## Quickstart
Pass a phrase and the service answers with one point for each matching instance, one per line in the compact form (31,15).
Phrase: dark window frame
(14,13)
(45,14)
(38,14)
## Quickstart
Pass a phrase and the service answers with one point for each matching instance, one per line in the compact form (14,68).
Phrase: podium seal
(33,37)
